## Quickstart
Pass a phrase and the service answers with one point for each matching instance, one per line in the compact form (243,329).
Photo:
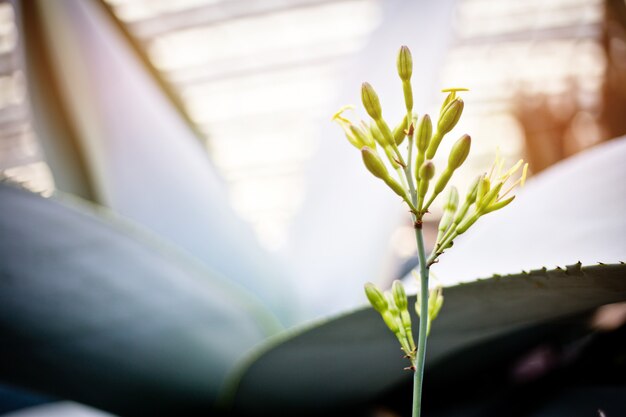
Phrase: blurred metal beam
(245,67)
(217,13)
(593,31)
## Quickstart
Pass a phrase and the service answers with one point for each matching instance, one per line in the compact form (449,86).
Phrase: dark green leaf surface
(95,310)
(112,135)
(353,357)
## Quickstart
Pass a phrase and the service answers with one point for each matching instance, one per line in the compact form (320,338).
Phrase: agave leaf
(112,134)
(95,310)
(352,358)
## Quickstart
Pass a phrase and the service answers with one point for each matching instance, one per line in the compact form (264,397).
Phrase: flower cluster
(393,306)
(412,175)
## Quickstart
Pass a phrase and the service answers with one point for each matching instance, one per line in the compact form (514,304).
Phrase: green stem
(402,180)
(418,377)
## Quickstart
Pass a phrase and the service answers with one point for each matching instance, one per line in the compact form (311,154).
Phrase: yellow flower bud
(459,152)
(385,132)
(396,187)
(483,187)
(405,318)
(405,69)
(377,135)
(450,116)
(399,133)
(405,63)
(422,137)
(358,137)
(399,295)
(449,209)
(426,173)
(466,224)
(395,313)
(367,136)
(392,322)
(373,163)
(370,101)
(435,302)
(472,191)
(442,182)
(451,96)
(376,297)
(401,301)
(469,200)
(423,132)
(427,170)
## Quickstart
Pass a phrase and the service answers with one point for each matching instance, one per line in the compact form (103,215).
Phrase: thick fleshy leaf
(95,310)
(352,358)
(111,135)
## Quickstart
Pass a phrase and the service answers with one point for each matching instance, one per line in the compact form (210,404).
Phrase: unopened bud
(385,131)
(395,187)
(451,96)
(377,135)
(399,295)
(370,101)
(405,63)
(466,224)
(367,135)
(405,318)
(483,188)
(435,302)
(449,209)
(442,181)
(459,152)
(376,297)
(392,322)
(400,132)
(422,138)
(423,132)
(393,311)
(373,163)
(472,191)
(427,170)
(452,202)
(356,137)
(426,173)
(469,200)
(447,121)
(450,116)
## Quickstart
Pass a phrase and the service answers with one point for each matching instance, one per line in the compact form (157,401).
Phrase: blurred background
(259,81)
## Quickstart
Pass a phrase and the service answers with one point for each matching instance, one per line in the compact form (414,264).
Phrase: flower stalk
(412,180)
